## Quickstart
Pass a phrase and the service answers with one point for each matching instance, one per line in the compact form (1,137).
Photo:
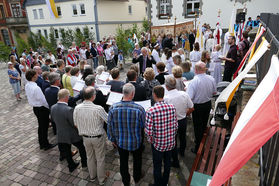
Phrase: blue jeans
(16,87)
(95,60)
(158,157)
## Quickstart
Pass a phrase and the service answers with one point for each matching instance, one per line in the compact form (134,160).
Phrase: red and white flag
(258,122)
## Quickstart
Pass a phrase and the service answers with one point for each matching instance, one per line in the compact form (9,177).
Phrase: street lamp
(196,20)
(174,31)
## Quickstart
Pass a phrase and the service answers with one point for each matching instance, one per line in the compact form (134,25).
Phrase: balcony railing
(16,20)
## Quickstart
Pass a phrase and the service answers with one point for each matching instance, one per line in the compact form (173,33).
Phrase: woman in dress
(66,80)
(195,55)
(169,61)
(14,79)
(23,68)
(215,56)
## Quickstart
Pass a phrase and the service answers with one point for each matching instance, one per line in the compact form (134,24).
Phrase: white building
(163,11)
(101,16)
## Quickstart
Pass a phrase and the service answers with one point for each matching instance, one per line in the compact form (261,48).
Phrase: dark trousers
(115,59)
(66,151)
(110,64)
(200,118)
(53,126)
(181,133)
(228,73)
(137,163)
(42,115)
(159,178)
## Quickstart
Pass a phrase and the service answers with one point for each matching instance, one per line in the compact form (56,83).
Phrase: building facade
(12,20)
(164,11)
(101,16)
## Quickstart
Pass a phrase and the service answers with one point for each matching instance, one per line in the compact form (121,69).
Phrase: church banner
(180,28)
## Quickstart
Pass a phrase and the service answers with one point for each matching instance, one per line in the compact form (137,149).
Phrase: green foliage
(4,52)
(78,37)
(88,35)
(52,38)
(21,44)
(145,25)
(121,40)
(67,37)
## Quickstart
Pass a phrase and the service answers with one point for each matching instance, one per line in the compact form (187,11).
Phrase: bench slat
(207,148)
(198,157)
(221,147)
(213,152)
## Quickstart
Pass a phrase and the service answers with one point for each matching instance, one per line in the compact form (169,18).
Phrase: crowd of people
(177,83)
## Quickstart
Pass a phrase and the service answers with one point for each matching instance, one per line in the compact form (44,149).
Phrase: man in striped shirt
(125,123)
(161,127)
(89,119)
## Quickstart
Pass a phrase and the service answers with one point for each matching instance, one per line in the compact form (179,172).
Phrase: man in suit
(51,98)
(192,40)
(40,79)
(45,83)
(140,93)
(67,133)
(145,60)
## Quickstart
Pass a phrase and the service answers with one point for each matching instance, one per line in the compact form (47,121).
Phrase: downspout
(96,20)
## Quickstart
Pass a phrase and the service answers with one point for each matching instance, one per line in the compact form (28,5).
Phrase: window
(35,14)
(41,13)
(45,32)
(6,37)
(16,10)
(74,9)
(56,33)
(82,9)
(39,32)
(164,9)
(130,9)
(59,11)
(191,7)
(2,11)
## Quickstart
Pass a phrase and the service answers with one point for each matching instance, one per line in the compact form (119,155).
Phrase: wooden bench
(210,151)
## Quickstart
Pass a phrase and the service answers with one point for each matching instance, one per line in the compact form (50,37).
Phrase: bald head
(38,69)
(200,67)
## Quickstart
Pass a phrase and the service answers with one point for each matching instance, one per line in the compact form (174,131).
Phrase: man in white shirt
(89,119)
(37,99)
(184,106)
(156,57)
(201,89)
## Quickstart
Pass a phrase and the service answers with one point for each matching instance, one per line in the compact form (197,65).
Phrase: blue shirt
(14,73)
(188,75)
(125,123)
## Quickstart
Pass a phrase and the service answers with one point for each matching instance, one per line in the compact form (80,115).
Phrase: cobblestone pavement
(23,163)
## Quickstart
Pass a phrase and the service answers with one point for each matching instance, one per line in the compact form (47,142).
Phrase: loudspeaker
(240,17)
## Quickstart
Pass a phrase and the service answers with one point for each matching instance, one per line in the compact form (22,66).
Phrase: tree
(88,35)
(52,38)
(79,37)
(4,52)
(121,40)
(21,44)
(145,25)
(67,37)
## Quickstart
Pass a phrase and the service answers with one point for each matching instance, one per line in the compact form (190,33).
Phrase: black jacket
(149,62)
(99,100)
(140,93)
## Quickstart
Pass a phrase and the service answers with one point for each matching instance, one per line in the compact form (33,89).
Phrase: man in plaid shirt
(125,124)
(161,127)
